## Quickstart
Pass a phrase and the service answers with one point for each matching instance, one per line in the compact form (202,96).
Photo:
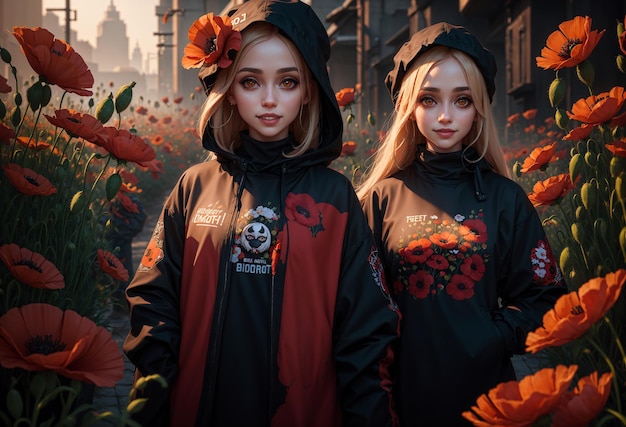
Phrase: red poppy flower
(152,119)
(31,268)
(42,337)
(126,146)
(112,266)
(6,134)
(513,118)
(474,230)
(177,100)
(345,96)
(420,283)
(27,181)
(302,209)
(129,177)
(617,147)
(460,287)
(348,148)
(4,85)
(580,133)
(212,41)
(570,45)
(473,267)
(551,190)
(155,167)
(574,313)
(519,404)
(127,203)
(438,262)
(417,251)
(78,125)
(445,239)
(539,158)
(530,114)
(32,143)
(54,60)
(580,406)
(141,110)
(597,109)
(167,120)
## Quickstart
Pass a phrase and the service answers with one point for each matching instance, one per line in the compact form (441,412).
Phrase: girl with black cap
(464,251)
(260,297)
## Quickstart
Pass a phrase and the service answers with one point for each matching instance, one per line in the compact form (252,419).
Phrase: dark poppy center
(303,211)
(45,345)
(210,45)
(577,310)
(27,262)
(566,49)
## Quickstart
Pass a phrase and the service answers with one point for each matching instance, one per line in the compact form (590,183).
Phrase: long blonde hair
(398,148)
(224,119)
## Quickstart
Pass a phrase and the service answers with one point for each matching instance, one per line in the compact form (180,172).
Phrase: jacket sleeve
(529,278)
(152,344)
(366,328)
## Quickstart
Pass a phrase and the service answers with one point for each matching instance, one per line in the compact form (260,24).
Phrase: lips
(445,133)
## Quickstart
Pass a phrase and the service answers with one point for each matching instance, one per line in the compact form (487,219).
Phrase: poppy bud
(350,118)
(589,194)
(136,405)
(517,169)
(78,202)
(556,93)
(580,213)
(620,28)
(577,233)
(17,98)
(15,405)
(46,95)
(620,61)
(16,116)
(37,385)
(5,55)
(616,133)
(561,119)
(585,73)
(105,108)
(371,119)
(566,260)
(3,110)
(114,183)
(617,166)
(91,103)
(575,165)
(622,241)
(590,159)
(620,188)
(123,97)
(34,95)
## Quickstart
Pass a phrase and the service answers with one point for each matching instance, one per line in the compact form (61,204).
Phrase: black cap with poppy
(298,22)
(442,34)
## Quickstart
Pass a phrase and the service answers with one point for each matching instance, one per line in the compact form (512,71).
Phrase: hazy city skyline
(138,15)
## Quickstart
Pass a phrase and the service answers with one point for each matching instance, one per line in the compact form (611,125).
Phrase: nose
(269,97)
(445,114)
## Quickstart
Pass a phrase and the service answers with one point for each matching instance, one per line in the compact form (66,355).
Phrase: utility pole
(68,18)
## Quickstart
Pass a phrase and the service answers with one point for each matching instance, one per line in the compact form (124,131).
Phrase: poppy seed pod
(566,260)
(561,119)
(576,233)
(556,93)
(113,185)
(601,228)
(620,61)
(78,202)
(105,109)
(16,116)
(586,73)
(5,55)
(589,194)
(622,241)
(34,94)
(617,166)
(575,165)
(620,188)
(123,97)
(15,405)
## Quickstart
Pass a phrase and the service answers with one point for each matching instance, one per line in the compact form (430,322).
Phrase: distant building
(136,60)
(112,42)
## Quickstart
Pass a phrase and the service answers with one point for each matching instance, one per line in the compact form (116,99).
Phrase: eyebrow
(456,89)
(259,71)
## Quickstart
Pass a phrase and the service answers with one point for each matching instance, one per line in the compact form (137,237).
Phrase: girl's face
(445,111)
(267,90)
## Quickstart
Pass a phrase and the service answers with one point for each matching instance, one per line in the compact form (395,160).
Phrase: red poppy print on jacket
(443,255)
(302,209)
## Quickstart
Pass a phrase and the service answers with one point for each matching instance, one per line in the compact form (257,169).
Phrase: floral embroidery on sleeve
(545,268)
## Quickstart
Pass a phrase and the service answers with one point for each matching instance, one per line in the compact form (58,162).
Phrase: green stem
(609,363)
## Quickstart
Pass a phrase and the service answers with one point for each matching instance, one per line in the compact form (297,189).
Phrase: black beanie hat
(442,34)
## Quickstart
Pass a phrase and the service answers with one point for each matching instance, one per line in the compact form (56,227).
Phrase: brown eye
(427,101)
(289,83)
(248,83)
(464,102)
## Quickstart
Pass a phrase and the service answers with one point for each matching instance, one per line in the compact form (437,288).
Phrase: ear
(231,100)
(307,96)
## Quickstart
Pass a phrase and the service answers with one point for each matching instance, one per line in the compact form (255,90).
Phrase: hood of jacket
(299,23)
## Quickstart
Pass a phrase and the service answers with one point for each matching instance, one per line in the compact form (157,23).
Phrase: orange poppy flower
(551,190)
(530,114)
(141,110)
(54,60)
(78,125)
(126,146)
(31,268)
(539,158)
(42,337)
(111,265)
(570,45)
(345,96)
(27,181)
(4,85)
(617,147)
(574,313)
(513,118)
(597,109)
(580,406)
(519,404)
(348,148)
(212,41)
(6,134)
(129,177)
(579,133)
(32,143)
